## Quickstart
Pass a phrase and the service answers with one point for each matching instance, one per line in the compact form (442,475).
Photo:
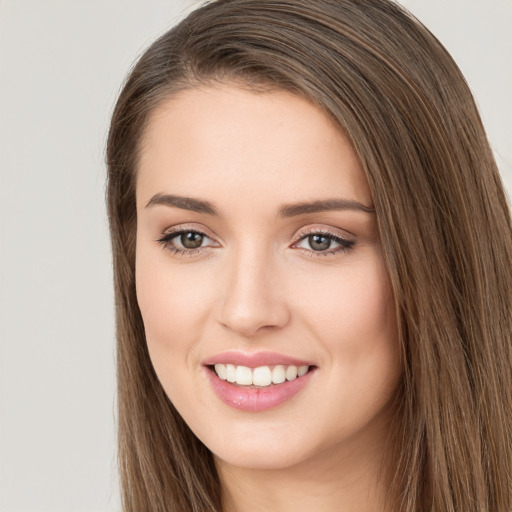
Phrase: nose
(253,298)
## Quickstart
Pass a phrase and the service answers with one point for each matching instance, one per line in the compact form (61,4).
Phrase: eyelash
(166,241)
(344,245)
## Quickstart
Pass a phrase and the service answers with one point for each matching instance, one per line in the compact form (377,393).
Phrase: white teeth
(230,372)
(302,370)
(221,371)
(278,374)
(243,376)
(262,376)
(291,373)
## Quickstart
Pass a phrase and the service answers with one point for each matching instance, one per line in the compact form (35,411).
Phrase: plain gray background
(61,66)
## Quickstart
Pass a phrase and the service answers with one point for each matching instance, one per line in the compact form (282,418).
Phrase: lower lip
(257,399)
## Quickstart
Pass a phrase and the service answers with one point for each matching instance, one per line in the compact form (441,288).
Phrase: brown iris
(191,240)
(319,242)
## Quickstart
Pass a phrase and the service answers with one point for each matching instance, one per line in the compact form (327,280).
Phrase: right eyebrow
(183,202)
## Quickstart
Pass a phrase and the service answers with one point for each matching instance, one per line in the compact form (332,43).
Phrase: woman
(312,267)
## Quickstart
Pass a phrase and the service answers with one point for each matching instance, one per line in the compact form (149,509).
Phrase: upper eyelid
(184,228)
(166,238)
(334,232)
(341,240)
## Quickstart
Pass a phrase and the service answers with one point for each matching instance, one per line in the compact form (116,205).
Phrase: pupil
(319,242)
(191,240)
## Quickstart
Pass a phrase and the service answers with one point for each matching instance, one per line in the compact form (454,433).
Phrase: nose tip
(248,323)
(252,303)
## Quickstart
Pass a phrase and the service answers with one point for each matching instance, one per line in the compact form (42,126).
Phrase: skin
(256,284)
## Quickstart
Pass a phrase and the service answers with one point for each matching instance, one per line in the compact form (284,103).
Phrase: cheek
(353,315)
(355,303)
(159,306)
(369,311)
(154,301)
(167,320)
(173,300)
(169,300)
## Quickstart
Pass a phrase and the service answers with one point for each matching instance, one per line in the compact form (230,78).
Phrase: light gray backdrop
(61,65)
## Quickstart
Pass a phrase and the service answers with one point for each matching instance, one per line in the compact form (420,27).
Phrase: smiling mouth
(260,377)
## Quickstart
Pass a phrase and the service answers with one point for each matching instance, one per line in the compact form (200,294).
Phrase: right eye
(185,241)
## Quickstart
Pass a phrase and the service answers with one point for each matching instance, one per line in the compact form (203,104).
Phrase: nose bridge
(252,299)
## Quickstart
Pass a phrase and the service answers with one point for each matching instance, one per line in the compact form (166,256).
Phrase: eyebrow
(185,203)
(290,210)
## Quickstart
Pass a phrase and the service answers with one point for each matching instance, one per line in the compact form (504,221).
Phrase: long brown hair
(443,218)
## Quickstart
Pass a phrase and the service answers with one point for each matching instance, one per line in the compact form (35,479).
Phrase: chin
(261,457)
(261,447)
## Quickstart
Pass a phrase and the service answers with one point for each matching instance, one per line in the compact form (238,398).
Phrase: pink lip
(254,360)
(256,399)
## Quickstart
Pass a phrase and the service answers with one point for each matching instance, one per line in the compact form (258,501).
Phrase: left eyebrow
(291,210)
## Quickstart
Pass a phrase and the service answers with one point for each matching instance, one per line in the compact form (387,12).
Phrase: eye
(185,241)
(324,243)
(189,240)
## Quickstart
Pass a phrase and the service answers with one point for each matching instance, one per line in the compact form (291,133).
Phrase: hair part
(443,219)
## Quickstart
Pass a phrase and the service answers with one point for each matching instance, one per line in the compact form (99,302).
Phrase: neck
(349,482)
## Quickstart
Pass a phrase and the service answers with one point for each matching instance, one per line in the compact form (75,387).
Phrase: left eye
(322,242)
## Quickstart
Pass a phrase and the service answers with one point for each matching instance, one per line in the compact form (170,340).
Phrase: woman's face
(258,252)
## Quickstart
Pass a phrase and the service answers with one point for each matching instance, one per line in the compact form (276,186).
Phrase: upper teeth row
(261,376)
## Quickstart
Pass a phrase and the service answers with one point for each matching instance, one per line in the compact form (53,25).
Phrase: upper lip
(254,360)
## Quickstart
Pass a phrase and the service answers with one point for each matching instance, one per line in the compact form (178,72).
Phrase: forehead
(224,139)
